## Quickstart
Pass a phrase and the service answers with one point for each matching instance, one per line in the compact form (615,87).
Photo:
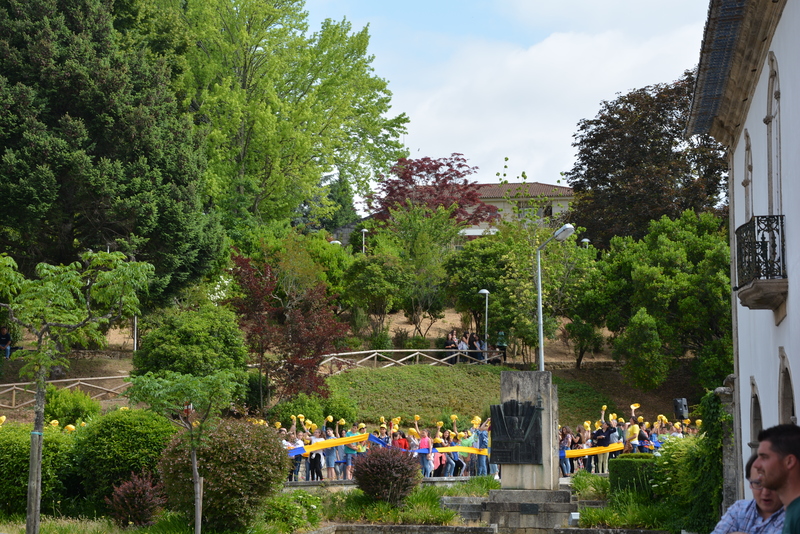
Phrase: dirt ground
(598,370)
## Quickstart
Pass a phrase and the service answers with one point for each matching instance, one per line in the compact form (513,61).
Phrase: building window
(756,423)
(773,122)
(786,410)
(747,183)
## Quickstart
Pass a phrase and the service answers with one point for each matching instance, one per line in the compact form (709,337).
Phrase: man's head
(778,455)
(766,499)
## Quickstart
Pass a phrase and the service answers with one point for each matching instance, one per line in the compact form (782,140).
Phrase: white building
(748,97)
(532,200)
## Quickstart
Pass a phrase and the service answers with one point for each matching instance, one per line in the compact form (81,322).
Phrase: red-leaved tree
(432,183)
(298,330)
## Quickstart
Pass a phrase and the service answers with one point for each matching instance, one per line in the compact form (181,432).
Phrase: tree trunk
(35,467)
(578,362)
(198,494)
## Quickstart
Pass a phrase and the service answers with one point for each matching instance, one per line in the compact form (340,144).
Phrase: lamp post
(363,240)
(560,235)
(485,293)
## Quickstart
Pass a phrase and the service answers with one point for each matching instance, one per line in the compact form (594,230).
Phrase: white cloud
(493,99)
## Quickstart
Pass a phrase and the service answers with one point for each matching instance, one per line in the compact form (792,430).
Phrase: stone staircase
(469,508)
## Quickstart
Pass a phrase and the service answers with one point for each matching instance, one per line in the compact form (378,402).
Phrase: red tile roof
(524,189)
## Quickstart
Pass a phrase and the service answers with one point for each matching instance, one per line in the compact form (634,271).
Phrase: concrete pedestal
(528,511)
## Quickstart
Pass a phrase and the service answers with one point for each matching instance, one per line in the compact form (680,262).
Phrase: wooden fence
(22,393)
(377,359)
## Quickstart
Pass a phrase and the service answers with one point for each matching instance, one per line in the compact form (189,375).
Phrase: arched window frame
(773,122)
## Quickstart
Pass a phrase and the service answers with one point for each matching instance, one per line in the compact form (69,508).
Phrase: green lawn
(434,393)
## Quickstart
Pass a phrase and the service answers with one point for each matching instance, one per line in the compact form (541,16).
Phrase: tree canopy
(432,183)
(94,153)
(634,164)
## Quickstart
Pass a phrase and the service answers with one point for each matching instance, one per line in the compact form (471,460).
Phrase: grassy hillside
(434,393)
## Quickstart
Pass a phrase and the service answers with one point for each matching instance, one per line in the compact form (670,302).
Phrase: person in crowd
(449,460)
(763,514)
(350,452)
(474,347)
(451,346)
(778,465)
(383,435)
(5,341)
(439,461)
(564,444)
(481,441)
(331,455)
(602,438)
(463,347)
(458,457)
(425,457)
(577,443)
(315,458)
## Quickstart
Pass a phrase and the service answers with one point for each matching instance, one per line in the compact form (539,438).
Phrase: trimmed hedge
(632,472)
(117,444)
(15,447)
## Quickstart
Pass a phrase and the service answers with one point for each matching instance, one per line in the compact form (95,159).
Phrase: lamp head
(564,232)
(364,230)
(483,292)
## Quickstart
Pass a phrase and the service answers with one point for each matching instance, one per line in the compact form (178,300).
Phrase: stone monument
(524,444)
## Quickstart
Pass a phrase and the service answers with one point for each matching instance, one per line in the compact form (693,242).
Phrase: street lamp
(363,240)
(485,293)
(560,235)
(585,242)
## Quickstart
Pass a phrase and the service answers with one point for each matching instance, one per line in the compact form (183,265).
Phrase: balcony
(761,264)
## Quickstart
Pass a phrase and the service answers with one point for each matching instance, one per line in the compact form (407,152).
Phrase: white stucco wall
(760,341)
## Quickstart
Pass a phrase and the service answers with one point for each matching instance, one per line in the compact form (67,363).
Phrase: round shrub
(117,444)
(242,465)
(387,474)
(15,447)
(69,406)
(308,405)
(195,342)
(340,406)
(136,502)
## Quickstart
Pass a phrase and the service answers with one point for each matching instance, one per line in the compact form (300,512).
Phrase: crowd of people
(635,435)
(337,461)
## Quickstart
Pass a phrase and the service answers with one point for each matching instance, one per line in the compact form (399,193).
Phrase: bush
(308,405)
(242,464)
(290,512)
(118,444)
(631,472)
(15,447)
(590,487)
(418,343)
(379,341)
(387,474)
(252,398)
(69,406)
(196,342)
(340,406)
(136,501)
(400,338)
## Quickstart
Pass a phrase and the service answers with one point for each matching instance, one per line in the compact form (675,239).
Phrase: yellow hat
(329,419)
(277,424)
(2,419)
(439,424)
(698,422)
(635,406)
(596,425)
(342,421)
(362,425)
(604,408)
(587,425)
(460,435)
(647,424)
(301,417)
(612,416)
(677,425)
(438,440)
(54,422)
(413,432)
(383,426)
(687,421)
(454,418)
(620,420)
(640,419)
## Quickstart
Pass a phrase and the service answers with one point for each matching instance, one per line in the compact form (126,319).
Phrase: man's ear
(790,461)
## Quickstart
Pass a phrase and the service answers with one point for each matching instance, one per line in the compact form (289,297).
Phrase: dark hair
(749,466)
(783,439)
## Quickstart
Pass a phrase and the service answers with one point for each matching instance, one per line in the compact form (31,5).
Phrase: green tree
(425,237)
(283,107)
(634,163)
(666,295)
(193,403)
(193,342)
(94,153)
(63,305)
(374,284)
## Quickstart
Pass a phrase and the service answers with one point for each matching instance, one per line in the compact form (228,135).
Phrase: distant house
(747,96)
(532,200)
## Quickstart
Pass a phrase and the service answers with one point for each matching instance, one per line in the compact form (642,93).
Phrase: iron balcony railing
(760,249)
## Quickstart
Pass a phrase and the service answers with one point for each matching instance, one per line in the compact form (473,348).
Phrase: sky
(497,79)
